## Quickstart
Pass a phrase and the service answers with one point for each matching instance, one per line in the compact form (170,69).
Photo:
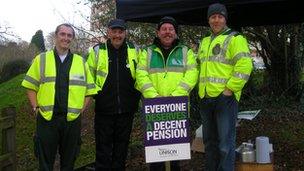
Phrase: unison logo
(164,152)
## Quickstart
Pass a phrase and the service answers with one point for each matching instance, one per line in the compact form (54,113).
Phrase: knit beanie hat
(217,8)
(170,20)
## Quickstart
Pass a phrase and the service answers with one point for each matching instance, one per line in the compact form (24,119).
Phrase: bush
(13,68)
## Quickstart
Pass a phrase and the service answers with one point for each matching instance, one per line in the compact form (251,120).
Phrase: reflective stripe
(213,80)
(74,110)
(217,58)
(48,79)
(166,69)
(46,108)
(85,74)
(136,49)
(77,82)
(149,52)
(84,69)
(191,66)
(241,76)
(101,73)
(169,69)
(221,56)
(32,80)
(142,68)
(226,43)
(90,86)
(42,66)
(50,108)
(200,57)
(176,69)
(240,55)
(96,50)
(146,86)
(156,70)
(220,59)
(203,59)
(93,70)
(185,86)
(43,78)
(185,56)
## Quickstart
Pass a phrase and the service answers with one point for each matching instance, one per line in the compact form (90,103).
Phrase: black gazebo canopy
(193,12)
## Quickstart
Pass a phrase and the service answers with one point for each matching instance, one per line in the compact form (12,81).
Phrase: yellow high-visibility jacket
(98,62)
(225,62)
(41,78)
(175,77)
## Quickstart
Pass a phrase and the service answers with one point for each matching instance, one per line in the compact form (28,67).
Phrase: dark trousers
(55,134)
(160,166)
(219,116)
(112,134)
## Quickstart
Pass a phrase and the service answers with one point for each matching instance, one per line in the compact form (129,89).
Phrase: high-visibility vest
(41,77)
(98,61)
(225,62)
(175,77)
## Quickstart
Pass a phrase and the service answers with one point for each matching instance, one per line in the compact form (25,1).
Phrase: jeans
(219,116)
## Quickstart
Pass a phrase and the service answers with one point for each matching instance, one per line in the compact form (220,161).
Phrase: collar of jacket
(56,53)
(225,29)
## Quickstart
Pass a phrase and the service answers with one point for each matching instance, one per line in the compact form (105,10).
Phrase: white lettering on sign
(162,108)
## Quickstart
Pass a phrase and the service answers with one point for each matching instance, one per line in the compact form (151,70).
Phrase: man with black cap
(113,66)
(166,68)
(225,67)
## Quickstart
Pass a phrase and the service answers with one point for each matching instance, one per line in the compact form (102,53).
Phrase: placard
(166,123)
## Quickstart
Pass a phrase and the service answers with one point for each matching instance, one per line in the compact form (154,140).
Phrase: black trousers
(112,134)
(160,166)
(55,134)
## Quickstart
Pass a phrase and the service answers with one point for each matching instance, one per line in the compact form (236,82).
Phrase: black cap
(117,23)
(217,8)
(170,20)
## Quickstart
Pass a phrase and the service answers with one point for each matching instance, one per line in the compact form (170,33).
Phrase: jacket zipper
(165,64)
(117,79)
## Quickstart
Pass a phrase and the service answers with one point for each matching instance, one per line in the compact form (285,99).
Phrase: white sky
(27,16)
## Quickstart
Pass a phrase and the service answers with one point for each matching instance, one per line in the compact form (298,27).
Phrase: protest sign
(166,129)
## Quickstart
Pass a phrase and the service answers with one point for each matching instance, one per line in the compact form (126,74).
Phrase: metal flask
(247,153)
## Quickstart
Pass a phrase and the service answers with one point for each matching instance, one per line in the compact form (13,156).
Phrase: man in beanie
(170,71)
(225,67)
(113,66)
